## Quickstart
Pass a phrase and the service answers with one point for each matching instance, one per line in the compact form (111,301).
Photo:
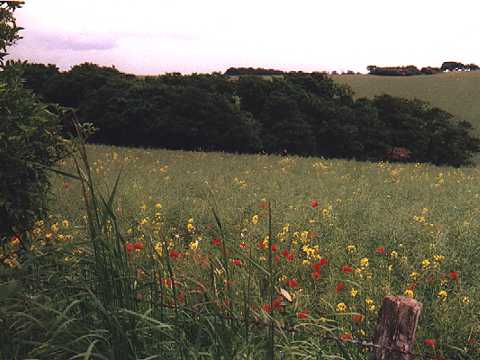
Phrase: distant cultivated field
(457,93)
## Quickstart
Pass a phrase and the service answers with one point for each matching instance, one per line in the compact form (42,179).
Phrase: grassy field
(456,92)
(343,235)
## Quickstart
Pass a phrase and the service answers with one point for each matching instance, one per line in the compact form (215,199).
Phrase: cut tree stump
(395,332)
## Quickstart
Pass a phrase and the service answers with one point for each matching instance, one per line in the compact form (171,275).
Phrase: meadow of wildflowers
(212,255)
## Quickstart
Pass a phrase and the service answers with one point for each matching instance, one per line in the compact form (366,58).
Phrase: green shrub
(29,142)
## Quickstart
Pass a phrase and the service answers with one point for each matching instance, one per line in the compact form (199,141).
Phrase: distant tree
(72,87)
(452,66)
(430,70)
(284,128)
(408,70)
(36,76)
(472,67)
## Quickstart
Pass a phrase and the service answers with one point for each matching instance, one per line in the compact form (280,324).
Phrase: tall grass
(181,255)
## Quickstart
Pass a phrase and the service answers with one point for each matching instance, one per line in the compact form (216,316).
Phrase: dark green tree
(29,142)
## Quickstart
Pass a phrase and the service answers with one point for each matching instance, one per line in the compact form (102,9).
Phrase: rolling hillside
(457,93)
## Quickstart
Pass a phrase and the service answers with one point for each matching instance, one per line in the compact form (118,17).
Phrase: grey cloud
(73,42)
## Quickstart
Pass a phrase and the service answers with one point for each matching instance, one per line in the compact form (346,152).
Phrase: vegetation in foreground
(190,257)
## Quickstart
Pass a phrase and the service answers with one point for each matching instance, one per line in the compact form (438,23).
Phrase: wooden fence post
(395,332)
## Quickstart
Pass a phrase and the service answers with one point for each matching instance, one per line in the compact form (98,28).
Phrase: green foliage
(295,113)
(29,143)
(8,27)
(36,76)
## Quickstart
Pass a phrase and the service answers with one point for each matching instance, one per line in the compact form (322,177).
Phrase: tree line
(299,113)
(410,70)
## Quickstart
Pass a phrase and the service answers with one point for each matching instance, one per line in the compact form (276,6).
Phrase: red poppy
(276,258)
(347,269)
(285,253)
(277,303)
(430,342)
(453,275)
(174,254)
(346,337)
(129,247)
(314,203)
(302,314)
(237,262)
(323,262)
(293,283)
(262,245)
(216,242)
(380,250)
(274,247)
(315,275)
(357,318)
(243,245)
(138,245)
(340,286)
(267,308)
(290,257)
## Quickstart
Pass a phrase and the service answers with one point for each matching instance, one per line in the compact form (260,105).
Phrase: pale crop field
(455,92)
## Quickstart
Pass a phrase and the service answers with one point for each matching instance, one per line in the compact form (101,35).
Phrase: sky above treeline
(158,36)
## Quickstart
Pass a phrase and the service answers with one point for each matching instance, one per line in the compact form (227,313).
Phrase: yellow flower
(438,258)
(408,293)
(425,264)
(143,207)
(194,245)
(39,223)
(414,275)
(394,254)
(353,292)
(158,206)
(442,294)
(158,249)
(255,219)
(65,223)
(420,219)
(190,226)
(364,262)
(351,248)
(369,301)
(55,227)
(466,300)
(341,307)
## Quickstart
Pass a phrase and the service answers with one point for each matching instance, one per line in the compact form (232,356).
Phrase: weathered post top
(396,327)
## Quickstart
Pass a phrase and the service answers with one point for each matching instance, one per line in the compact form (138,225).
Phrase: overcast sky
(157,36)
